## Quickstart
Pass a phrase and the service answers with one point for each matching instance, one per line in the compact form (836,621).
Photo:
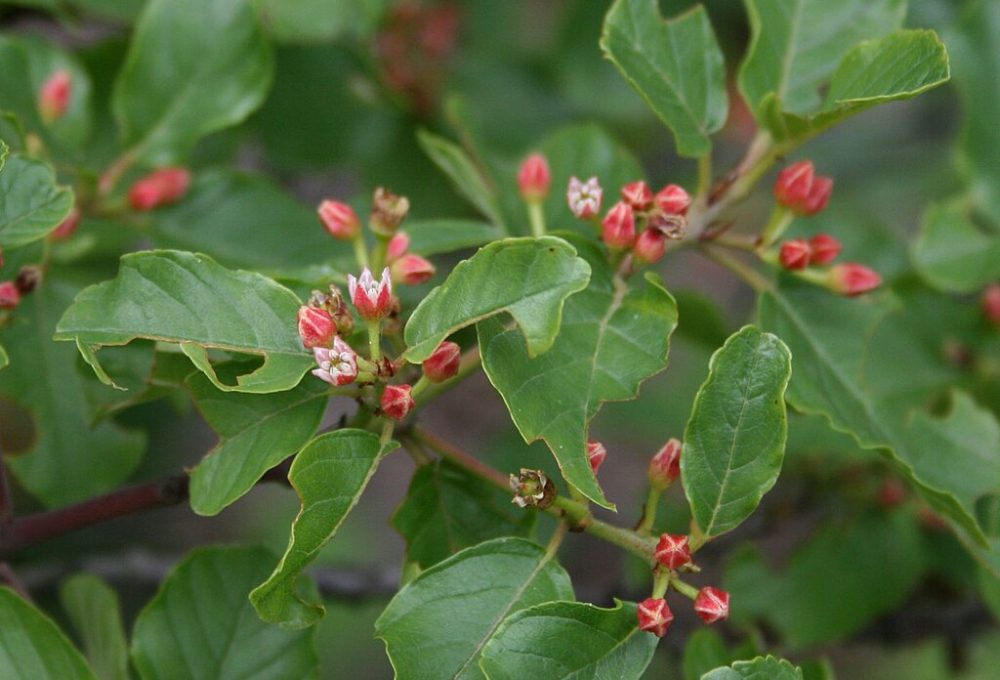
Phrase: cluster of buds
(532,488)
(319,323)
(801,190)
(665,466)
(55,95)
(158,188)
(407,268)
(848,278)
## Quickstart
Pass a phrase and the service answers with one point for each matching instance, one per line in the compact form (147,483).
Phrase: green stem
(468,364)
(751,276)
(661,581)
(375,340)
(781,218)
(557,538)
(420,387)
(360,250)
(683,588)
(379,254)
(387,429)
(704,178)
(536,218)
(649,511)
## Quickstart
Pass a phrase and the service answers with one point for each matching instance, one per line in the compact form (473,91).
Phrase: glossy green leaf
(31,203)
(93,608)
(194,67)
(447,509)
(200,625)
(562,640)
(734,442)
(675,65)
(528,278)
(430,237)
(438,624)
(899,66)
(308,21)
(795,45)
(329,476)
(952,254)
(611,339)
(70,459)
(704,651)
(467,179)
(191,300)
(33,647)
(761,668)
(256,432)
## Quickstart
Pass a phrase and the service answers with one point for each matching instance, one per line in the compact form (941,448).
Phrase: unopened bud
(596,453)
(67,227)
(795,254)
(650,246)
(665,466)
(372,299)
(338,365)
(443,363)
(853,279)
(388,211)
(584,198)
(819,195)
(673,200)
(534,178)
(398,245)
(618,227)
(162,187)
(532,488)
(825,249)
(340,220)
(654,616)
(712,604)
(673,551)
(397,401)
(638,195)
(54,97)
(28,279)
(411,270)
(10,296)
(791,189)
(316,327)
(991,304)
(892,493)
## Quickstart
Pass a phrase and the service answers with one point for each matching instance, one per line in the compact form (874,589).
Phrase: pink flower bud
(338,365)
(411,270)
(596,453)
(161,187)
(397,401)
(372,299)
(10,296)
(665,466)
(340,220)
(819,196)
(672,551)
(638,195)
(618,227)
(534,178)
(54,97)
(712,604)
(991,304)
(853,279)
(443,363)
(795,254)
(793,184)
(398,245)
(654,616)
(673,200)
(584,198)
(67,227)
(316,327)
(650,246)
(825,249)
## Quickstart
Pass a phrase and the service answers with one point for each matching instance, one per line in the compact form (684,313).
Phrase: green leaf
(989,588)
(734,442)
(4,359)
(329,475)
(438,624)
(31,203)
(611,339)
(447,509)
(795,45)
(896,67)
(703,652)
(675,65)
(528,278)
(430,237)
(93,608)
(308,21)
(33,647)
(189,299)
(952,254)
(70,459)
(256,432)
(761,668)
(569,640)
(468,180)
(194,67)
(200,625)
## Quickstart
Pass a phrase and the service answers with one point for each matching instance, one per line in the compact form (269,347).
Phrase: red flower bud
(54,97)
(338,365)
(819,196)
(672,551)
(793,184)
(162,187)
(372,299)
(991,304)
(618,227)
(673,200)
(411,270)
(339,219)
(596,453)
(795,254)
(650,246)
(67,227)
(398,245)
(443,363)
(397,401)
(712,604)
(665,466)
(654,616)
(10,296)
(316,327)
(891,493)
(825,249)
(853,279)
(638,195)
(534,178)
(584,198)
